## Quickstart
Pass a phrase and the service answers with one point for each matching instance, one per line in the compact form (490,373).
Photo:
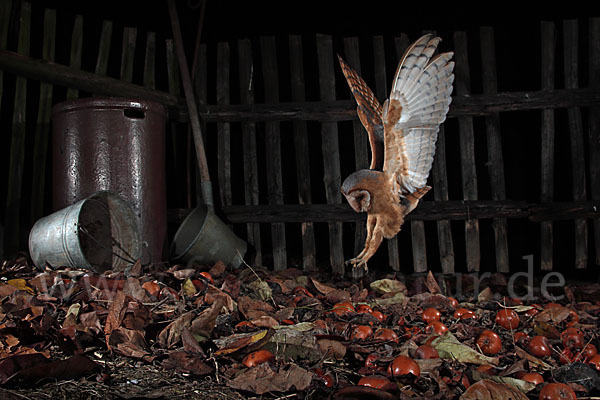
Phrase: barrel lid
(109,103)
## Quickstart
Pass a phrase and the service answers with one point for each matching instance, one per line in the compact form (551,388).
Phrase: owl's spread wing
(369,111)
(418,104)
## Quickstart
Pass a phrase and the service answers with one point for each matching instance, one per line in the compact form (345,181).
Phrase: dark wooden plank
(440,193)
(223,128)
(246,72)
(14,199)
(571,64)
(76,49)
(401,42)
(594,124)
(454,210)
(42,127)
(339,110)
(474,105)
(5,9)
(174,86)
(273,148)
(104,48)
(201,91)
(128,53)
(494,146)
(302,152)
(331,151)
(150,61)
(467,150)
(57,74)
(548,37)
(362,148)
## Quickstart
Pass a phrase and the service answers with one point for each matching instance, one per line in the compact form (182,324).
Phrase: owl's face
(359,200)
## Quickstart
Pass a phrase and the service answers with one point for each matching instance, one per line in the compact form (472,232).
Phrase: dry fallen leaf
(262,379)
(171,334)
(449,347)
(383,286)
(490,390)
(332,348)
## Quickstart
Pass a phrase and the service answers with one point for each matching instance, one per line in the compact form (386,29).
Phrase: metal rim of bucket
(123,228)
(109,103)
(182,228)
(116,228)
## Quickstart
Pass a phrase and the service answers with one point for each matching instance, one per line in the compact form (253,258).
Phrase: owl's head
(355,189)
(359,200)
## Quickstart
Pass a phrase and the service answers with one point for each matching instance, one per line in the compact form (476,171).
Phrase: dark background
(517,35)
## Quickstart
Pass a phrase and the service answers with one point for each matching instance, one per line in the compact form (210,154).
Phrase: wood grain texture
(594,124)
(42,127)
(467,151)
(273,148)
(330,149)
(300,133)
(76,49)
(494,147)
(251,190)
(14,188)
(361,147)
(548,51)
(571,65)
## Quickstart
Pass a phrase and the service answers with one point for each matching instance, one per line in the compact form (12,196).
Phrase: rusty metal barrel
(116,145)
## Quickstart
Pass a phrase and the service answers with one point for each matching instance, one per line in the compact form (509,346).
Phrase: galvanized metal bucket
(204,239)
(98,233)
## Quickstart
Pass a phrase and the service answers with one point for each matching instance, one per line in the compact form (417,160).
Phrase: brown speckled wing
(369,111)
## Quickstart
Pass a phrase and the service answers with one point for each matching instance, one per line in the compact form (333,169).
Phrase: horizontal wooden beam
(62,75)
(345,110)
(427,211)
(339,110)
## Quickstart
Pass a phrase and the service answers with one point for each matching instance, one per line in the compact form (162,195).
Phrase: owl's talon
(358,263)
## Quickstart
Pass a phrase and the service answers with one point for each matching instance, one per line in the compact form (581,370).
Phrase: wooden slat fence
(282,134)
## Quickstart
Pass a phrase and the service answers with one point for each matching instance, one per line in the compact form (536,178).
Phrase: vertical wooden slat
(201,91)
(128,53)
(330,149)
(571,64)
(467,150)
(223,128)
(104,48)
(76,49)
(548,37)
(494,146)
(362,148)
(594,124)
(17,143)
(302,151)
(440,193)
(273,148)
(246,72)
(401,42)
(42,128)
(150,61)
(174,85)
(381,92)
(5,9)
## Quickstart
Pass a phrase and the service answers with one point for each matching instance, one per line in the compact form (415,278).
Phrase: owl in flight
(402,134)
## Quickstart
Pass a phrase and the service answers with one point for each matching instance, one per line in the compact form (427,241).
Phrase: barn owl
(402,134)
